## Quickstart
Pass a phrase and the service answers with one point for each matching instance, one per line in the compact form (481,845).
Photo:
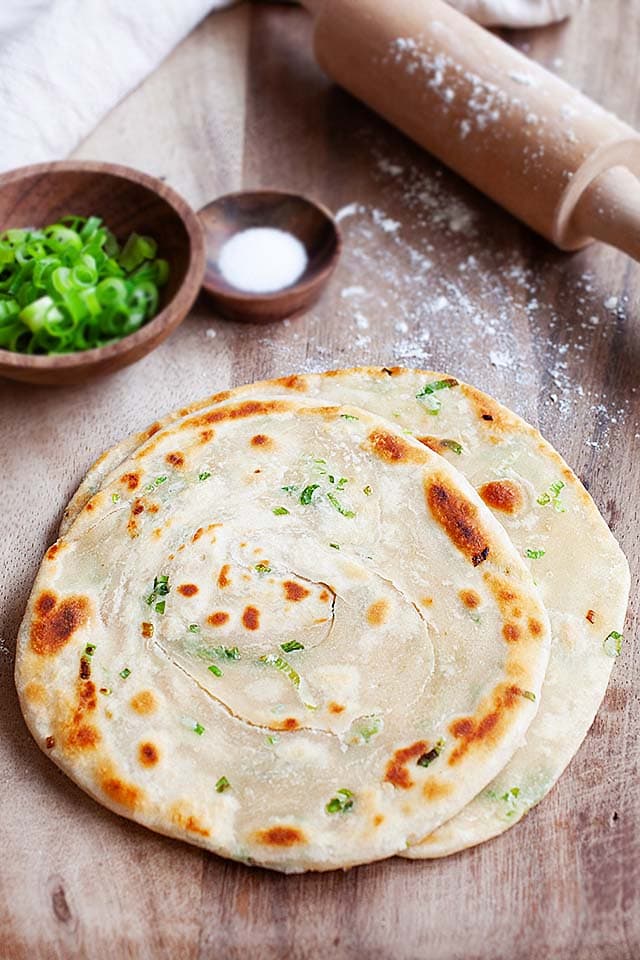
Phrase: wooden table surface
(432,275)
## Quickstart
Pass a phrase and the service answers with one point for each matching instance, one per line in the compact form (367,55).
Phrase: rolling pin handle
(609,210)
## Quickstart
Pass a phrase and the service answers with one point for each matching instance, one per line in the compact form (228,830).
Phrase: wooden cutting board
(432,275)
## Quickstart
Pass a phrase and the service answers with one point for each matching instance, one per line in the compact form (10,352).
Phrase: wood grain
(241,103)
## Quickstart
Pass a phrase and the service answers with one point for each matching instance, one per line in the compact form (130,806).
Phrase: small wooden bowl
(311,223)
(127,201)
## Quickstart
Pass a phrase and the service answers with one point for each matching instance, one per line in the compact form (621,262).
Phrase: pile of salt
(262,260)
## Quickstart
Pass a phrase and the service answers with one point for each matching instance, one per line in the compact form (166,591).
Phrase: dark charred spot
(591,616)
(511,632)
(146,629)
(251,618)
(397,771)
(475,731)
(50,743)
(336,707)
(143,702)
(218,618)
(55,623)
(393,449)
(378,613)
(324,596)
(120,792)
(459,520)
(188,589)
(130,480)
(85,668)
(137,508)
(281,836)
(239,411)
(293,383)
(83,737)
(289,723)
(52,551)
(487,416)
(262,441)
(535,627)
(197,534)
(206,436)
(175,460)
(223,576)
(470,599)
(295,591)
(503,495)
(148,754)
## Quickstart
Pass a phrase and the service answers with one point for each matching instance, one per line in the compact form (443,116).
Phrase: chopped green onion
(367,491)
(364,729)
(613,644)
(160,589)
(222,785)
(427,758)
(291,645)
(553,497)
(90,649)
(338,506)
(341,484)
(67,287)
(115,497)
(433,403)
(307,494)
(529,695)
(125,673)
(336,546)
(534,554)
(452,445)
(273,660)
(194,628)
(216,671)
(263,568)
(228,653)
(290,489)
(280,511)
(160,606)
(272,739)
(198,728)
(341,803)
(348,416)
(204,475)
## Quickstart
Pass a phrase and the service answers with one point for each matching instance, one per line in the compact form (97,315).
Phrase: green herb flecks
(198,728)
(529,695)
(427,758)
(222,785)
(90,649)
(427,396)
(333,500)
(307,494)
(341,803)
(273,660)
(363,729)
(204,475)
(125,673)
(348,416)
(291,488)
(367,491)
(262,568)
(291,645)
(115,497)
(194,628)
(612,645)
(452,445)
(150,487)
(215,670)
(336,546)
(552,496)
(534,554)
(280,511)
(160,589)
(272,739)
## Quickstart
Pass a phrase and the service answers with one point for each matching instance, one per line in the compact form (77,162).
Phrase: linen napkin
(65,63)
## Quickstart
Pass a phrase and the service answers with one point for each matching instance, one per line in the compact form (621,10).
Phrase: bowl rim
(181,301)
(244,297)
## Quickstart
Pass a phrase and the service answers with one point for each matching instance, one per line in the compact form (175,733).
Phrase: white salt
(262,260)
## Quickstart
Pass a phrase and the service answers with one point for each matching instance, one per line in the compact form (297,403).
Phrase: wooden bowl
(127,201)
(311,223)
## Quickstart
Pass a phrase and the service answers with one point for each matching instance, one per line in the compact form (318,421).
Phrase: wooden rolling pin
(534,144)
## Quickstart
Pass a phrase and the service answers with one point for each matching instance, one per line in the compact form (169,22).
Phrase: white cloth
(65,63)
